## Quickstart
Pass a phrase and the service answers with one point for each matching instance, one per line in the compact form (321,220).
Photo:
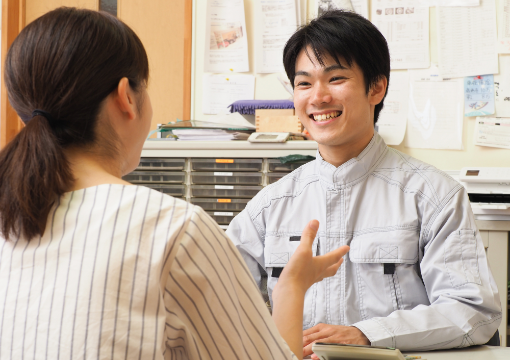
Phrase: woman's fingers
(309,233)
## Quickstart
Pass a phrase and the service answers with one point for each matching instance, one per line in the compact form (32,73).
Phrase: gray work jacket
(435,291)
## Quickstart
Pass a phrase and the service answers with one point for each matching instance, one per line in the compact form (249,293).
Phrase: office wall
(36,8)
(267,86)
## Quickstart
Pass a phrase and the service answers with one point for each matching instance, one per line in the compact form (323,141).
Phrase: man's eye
(303,83)
(337,78)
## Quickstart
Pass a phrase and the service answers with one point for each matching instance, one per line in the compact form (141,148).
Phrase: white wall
(267,86)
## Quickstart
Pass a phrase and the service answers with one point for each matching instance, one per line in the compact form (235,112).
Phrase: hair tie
(47,115)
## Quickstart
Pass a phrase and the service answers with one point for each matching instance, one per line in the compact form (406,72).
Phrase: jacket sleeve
(249,240)
(465,307)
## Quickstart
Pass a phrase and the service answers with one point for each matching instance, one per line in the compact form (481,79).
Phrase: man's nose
(320,94)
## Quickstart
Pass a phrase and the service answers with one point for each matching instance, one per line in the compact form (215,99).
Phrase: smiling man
(416,276)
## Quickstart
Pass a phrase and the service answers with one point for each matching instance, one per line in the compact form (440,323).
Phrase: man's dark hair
(346,35)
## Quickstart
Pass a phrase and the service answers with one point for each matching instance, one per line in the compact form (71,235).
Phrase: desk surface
(472,353)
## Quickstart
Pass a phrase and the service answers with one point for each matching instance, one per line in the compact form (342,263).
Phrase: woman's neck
(90,170)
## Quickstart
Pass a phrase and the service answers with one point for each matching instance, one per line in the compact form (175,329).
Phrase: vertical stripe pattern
(125,272)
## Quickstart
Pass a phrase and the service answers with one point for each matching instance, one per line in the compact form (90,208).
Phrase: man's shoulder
(414,174)
(290,185)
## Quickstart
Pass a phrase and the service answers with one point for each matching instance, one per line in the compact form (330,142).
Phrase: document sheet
(277,20)
(479,95)
(502,87)
(226,45)
(504,26)
(449,2)
(393,117)
(467,38)
(219,91)
(493,132)
(406,29)
(435,116)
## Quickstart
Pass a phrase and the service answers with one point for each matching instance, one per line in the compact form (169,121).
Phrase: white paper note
(358,6)
(393,117)
(504,26)
(276,22)
(219,91)
(467,39)
(502,87)
(435,117)
(406,29)
(226,45)
(449,2)
(493,132)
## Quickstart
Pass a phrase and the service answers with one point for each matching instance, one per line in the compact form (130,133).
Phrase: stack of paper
(210,134)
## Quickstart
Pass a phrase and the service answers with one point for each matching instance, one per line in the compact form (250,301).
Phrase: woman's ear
(378,90)
(125,99)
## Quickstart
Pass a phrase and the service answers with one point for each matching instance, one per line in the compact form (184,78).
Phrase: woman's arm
(301,272)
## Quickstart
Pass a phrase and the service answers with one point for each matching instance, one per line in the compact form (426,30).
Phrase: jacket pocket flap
(279,249)
(397,246)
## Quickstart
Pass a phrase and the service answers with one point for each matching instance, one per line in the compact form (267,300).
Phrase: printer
(488,189)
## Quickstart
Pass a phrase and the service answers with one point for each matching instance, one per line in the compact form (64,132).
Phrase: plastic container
(222,217)
(220,204)
(178,191)
(228,191)
(158,164)
(274,177)
(226,178)
(155,177)
(277,166)
(199,164)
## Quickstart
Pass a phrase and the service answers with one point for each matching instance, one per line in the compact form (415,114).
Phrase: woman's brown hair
(64,64)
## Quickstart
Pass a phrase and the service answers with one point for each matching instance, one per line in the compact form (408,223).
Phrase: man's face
(332,102)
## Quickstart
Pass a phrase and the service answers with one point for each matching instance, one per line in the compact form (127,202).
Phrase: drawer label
(223,173)
(225,161)
(223,213)
(224,187)
(224,200)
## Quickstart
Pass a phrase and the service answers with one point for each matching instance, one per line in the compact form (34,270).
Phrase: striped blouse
(125,272)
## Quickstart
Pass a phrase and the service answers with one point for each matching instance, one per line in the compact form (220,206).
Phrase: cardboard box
(277,120)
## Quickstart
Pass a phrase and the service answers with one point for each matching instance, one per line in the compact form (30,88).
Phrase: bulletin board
(267,86)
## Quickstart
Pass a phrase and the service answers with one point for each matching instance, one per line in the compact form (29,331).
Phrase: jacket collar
(340,177)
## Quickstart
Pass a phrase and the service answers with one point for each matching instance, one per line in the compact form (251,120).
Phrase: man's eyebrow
(304,73)
(334,67)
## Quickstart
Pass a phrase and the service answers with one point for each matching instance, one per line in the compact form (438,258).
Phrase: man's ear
(125,99)
(378,90)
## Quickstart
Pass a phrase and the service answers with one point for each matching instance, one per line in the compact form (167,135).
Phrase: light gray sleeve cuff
(376,333)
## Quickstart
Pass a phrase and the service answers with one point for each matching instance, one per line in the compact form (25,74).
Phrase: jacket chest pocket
(386,270)
(277,253)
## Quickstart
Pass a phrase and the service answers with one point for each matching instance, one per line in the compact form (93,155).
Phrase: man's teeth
(325,117)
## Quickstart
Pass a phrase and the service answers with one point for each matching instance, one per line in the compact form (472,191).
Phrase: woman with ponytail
(92,267)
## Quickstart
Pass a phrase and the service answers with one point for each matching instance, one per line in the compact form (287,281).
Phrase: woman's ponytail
(34,173)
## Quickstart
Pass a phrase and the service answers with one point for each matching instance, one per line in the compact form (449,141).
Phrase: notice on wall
(277,21)
(467,39)
(393,117)
(449,2)
(358,6)
(479,95)
(502,87)
(492,132)
(226,45)
(504,26)
(219,91)
(406,29)
(435,116)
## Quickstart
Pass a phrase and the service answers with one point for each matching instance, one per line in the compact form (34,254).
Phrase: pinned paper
(492,132)
(479,95)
